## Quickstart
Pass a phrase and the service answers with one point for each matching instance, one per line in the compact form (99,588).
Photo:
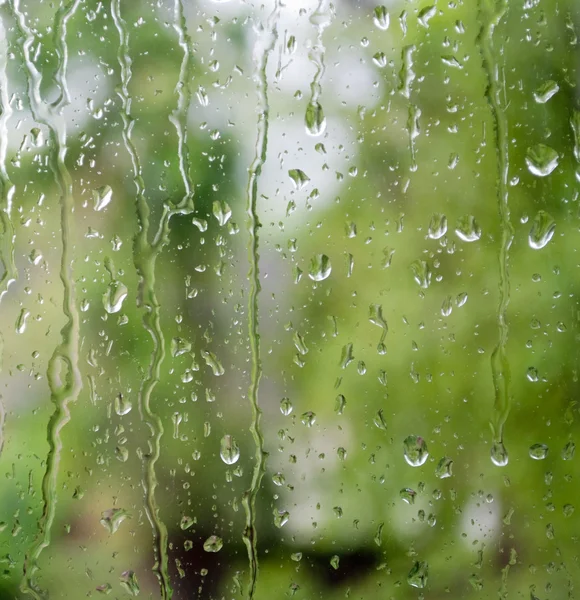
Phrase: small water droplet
(335,561)
(499,455)
(106,588)
(22,321)
(380,59)
(122,405)
(408,495)
(546,91)
(320,267)
(102,197)
(541,160)
(467,229)
(308,418)
(186,522)
(286,406)
(568,451)
(444,468)
(111,519)
(229,450)
(221,211)
(299,178)
(418,575)
(381,17)
(437,226)
(447,306)
(114,296)
(213,543)
(281,517)
(278,479)
(532,374)
(179,346)
(379,420)
(314,119)
(538,451)
(129,582)
(542,230)
(340,404)
(415,450)
(212,361)
(421,273)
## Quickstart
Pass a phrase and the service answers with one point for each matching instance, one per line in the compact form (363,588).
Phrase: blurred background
(416,166)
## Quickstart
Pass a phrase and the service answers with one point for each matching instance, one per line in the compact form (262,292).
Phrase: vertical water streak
(179,115)
(262,49)
(63,374)
(499,361)
(315,119)
(145,254)
(7,236)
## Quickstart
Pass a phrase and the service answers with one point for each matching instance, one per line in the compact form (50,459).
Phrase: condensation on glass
(289,298)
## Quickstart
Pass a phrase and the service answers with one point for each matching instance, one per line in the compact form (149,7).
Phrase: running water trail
(489,20)
(7,189)
(64,376)
(263,47)
(145,254)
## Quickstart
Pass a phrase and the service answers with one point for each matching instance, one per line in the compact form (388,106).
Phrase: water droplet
(22,321)
(542,230)
(541,160)
(568,451)
(320,267)
(341,453)
(346,355)
(421,273)
(129,582)
(179,346)
(229,450)
(379,420)
(102,197)
(212,361)
(415,450)
(444,468)
(111,519)
(122,405)
(546,91)
(213,543)
(114,296)
(299,178)
(335,561)
(186,522)
(467,229)
(380,59)
(437,226)
(447,306)
(568,510)
(221,211)
(532,374)
(308,418)
(296,556)
(499,455)
(106,588)
(538,451)
(425,15)
(281,517)
(286,406)
(408,495)
(381,17)
(278,479)
(418,575)
(340,404)
(314,119)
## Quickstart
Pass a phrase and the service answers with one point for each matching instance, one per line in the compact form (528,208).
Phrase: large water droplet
(421,273)
(437,226)
(212,361)
(541,160)
(467,229)
(546,91)
(286,406)
(418,575)
(499,455)
(122,405)
(320,267)
(408,495)
(128,581)
(229,450)
(542,230)
(102,197)
(444,468)
(299,178)
(381,17)
(213,543)
(114,296)
(415,450)
(314,119)
(111,519)
(538,451)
